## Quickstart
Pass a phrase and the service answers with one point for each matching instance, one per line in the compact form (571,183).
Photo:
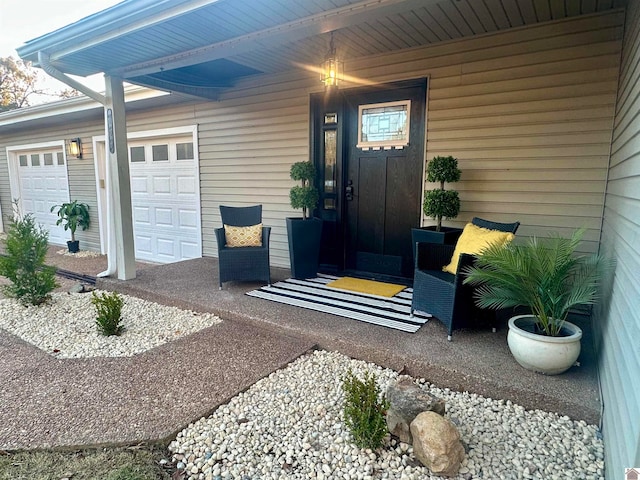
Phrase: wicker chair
(243,263)
(442,294)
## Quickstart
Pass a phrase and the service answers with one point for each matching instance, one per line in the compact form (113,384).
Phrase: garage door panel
(141,216)
(43,184)
(162,185)
(164,217)
(187,218)
(139,185)
(165,200)
(186,185)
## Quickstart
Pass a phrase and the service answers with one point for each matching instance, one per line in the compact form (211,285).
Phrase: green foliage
(73,215)
(548,277)
(305,195)
(109,309)
(18,82)
(364,410)
(303,171)
(26,248)
(443,169)
(439,203)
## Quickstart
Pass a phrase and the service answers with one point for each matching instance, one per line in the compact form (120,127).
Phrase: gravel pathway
(65,327)
(289,426)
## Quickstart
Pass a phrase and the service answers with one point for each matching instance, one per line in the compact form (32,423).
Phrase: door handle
(348,191)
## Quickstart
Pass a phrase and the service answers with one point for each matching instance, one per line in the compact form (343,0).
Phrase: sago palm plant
(546,276)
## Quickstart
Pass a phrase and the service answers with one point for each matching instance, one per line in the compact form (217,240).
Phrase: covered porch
(537,99)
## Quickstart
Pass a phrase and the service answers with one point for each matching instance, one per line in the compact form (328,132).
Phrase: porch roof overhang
(201,47)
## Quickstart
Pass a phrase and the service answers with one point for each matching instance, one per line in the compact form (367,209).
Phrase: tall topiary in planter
(440,203)
(549,278)
(304,233)
(73,215)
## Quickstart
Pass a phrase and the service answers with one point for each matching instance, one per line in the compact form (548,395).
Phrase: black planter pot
(446,236)
(304,246)
(73,246)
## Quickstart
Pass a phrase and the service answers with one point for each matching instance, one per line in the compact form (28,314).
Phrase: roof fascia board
(112,23)
(324,22)
(70,105)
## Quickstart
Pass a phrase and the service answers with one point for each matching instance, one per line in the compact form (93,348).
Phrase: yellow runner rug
(366,286)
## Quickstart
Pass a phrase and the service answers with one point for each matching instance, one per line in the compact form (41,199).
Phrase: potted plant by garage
(440,203)
(73,215)
(304,233)
(549,278)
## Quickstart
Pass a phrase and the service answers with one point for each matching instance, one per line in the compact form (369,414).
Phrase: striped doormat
(392,312)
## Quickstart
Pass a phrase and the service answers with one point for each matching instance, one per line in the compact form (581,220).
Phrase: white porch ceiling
(145,40)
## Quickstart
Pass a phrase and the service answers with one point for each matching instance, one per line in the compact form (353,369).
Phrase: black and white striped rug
(392,312)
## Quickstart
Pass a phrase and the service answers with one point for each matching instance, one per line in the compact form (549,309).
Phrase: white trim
(100,155)
(12,165)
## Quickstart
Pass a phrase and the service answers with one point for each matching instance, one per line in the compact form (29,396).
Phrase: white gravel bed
(65,326)
(290,426)
(79,254)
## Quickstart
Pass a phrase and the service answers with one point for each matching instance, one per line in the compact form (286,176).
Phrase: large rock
(407,400)
(436,443)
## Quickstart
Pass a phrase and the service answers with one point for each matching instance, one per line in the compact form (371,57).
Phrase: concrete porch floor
(476,360)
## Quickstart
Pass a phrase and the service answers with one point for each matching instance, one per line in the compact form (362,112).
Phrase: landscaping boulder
(407,400)
(436,443)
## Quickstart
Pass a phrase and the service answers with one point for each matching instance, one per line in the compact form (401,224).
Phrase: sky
(22,20)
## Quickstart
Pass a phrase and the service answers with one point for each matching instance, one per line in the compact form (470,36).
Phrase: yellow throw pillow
(474,240)
(243,236)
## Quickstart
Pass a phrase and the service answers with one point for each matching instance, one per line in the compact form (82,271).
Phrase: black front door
(382,184)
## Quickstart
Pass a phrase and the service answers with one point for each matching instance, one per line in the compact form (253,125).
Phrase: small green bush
(364,410)
(109,309)
(26,248)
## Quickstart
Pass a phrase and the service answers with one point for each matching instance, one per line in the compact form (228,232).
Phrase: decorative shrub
(440,203)
(304,196)
(109,310)
(26,248)
(364,410)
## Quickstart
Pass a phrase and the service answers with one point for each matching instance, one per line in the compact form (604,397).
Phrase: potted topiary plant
(73,215)
(548,278)
(439,203)
(304,233)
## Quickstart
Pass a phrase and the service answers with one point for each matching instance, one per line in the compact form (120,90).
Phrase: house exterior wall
(528,113)
(617,319)
(81,176)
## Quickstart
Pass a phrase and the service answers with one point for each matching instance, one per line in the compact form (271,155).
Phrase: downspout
(43,61)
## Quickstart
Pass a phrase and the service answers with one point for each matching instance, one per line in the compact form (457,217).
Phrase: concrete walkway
(477,360)
(49,402)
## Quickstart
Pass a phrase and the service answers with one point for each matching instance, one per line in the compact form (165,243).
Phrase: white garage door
(165,199)
(42,178)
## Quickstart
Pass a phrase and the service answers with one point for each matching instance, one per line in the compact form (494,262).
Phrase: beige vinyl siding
(247,145)
(80,172)
(530,121)
(617,319)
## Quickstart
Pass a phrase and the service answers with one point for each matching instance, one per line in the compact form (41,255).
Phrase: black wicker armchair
(243,263)
(443,294)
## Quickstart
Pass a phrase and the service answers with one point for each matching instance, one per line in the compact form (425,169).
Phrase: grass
(128,463)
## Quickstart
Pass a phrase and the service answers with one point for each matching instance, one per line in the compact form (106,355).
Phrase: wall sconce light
(75,147)
(332,69)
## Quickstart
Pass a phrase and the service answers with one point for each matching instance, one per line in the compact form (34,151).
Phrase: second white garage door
(165,199)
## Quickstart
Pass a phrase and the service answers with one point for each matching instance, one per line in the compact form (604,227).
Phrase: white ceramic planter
(540,353)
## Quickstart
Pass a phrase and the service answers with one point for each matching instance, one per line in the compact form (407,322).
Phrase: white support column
(119,184)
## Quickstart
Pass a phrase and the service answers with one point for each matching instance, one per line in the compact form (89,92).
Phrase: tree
(18,82)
